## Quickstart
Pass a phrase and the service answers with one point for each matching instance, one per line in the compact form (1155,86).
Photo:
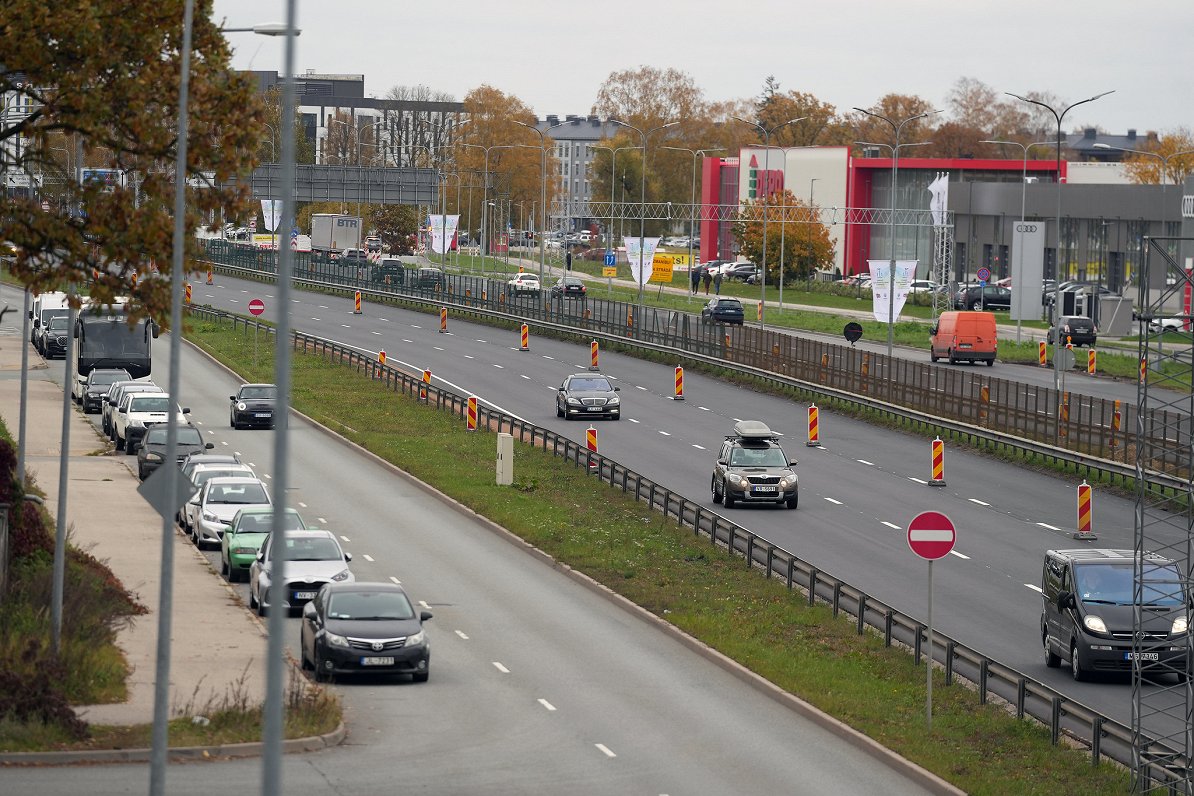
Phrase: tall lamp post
(360,168)
(1163,158)
(898,129)
(1057,372)
(542,193)
(696,153)
(613,164)
(1023,186)
(642,208)
(484,197)
(766,210)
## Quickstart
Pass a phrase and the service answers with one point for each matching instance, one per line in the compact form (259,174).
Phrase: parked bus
(104,339)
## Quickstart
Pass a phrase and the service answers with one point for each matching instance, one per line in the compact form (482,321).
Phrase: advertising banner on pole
(881,285)
(639,260)
(271,211)
(442,230)
(1028,270)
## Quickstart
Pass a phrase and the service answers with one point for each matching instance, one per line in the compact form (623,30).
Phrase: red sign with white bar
(931,535)
(256,306)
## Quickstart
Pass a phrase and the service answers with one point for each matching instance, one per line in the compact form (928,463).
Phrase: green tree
(397,225)
(792,228)
(103,77)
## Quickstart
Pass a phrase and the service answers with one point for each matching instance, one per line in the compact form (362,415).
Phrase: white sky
(555,55)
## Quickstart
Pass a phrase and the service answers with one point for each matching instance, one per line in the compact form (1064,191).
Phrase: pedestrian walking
(696,279)
(708,281)
(717,283)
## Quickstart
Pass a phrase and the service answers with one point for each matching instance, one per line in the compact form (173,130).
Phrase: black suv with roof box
(753,468)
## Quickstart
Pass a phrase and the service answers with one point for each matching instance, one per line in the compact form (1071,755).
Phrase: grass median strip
(584,523)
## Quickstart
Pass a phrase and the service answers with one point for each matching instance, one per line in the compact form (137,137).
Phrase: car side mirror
(231,397)
(209,445)
(423,615)
(186,410)
(559,389)
(121,410)
(155,329)
(793,463)
(723,462)
(1065,600)
(617,389)
(932,330)
(261,556)
(348,556)
(309,611)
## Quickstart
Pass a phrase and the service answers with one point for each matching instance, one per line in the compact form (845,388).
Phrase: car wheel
(559,411)
(952,359)
(129,449)
(727,499)
(976,306)
(991,363)
(793,501)
(420,677)
(1052,660)
(317,666)
(304,664)
(716,491)
(1076,669)
(141,474)
(252,599)
(263,611)
(232,421)
(933,357)
(119,443)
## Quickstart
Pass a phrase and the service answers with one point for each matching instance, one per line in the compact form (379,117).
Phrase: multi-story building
(574,138)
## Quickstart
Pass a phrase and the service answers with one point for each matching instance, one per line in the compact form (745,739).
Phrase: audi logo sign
(1026,227)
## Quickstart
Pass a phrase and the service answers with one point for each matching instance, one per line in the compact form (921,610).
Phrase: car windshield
(201,477)
(729,304)
(320,548)
(59,322)
(237,493)
(1113,584)
(264,522)
(363,605)
(758,457)
(269,392)
(187,435)
(155,403)
(596,384)
(107,379)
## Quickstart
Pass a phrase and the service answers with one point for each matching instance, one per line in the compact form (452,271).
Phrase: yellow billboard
(609,271)
(661,268)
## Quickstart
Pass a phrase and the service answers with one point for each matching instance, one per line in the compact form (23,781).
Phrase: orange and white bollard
(1042,354)
(1116,422)
(381,357)
(188,292)
(443,320)
(814,427)
(470,414)
(357,311)
(209,279)
(629,318)
(526,338)
(1085,514)
(423,387)
(1143,369)
(984,400)
(1063,415)
(593,350)
(938,478)
(1090,362)
(679,394)
(759,312)
(727,341)
(591,444)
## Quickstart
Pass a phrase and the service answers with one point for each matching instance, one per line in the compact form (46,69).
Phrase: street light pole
(692,205)
(766,195)
(1058,379)
(897,128)
(360,168)
(484,197)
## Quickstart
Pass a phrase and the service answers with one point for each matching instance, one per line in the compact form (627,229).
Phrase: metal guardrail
(1028,697)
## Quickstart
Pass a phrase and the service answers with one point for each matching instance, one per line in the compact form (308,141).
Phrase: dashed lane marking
(368,558)
(395,580)
(979,502)
(891,525)
(834,502)
(462,635)
(959,555)
(864,461)
(500,668)
(1035,588)
(918,480)
(699,447)
(605,750)
(547,704)
(1047,525)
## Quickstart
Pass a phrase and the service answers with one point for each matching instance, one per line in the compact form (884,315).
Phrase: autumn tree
(794,231)
(897,108)
(820,123)
(270,150)
(1154,169)
(396,225)
(102,77)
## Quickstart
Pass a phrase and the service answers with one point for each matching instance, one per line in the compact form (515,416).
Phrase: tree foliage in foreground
(794,234)
(101,78)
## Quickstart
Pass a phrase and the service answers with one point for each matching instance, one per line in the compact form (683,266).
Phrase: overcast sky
(555,55)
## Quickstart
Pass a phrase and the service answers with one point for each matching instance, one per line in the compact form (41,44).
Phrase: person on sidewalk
(717,284)
(696,279)
(708,281)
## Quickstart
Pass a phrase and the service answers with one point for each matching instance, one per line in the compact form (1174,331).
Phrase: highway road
(538,685)
(859,491)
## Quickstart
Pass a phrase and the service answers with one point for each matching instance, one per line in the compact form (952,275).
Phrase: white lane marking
(632,420)
(959,555)
(834,502)
(480,340)
(387,320)
(302,505)
(415,326)
(323,306)
(198,422)
(316,319)
(979,502)
(343,538)
(295,301)
(918,480)
(605,749)
(891,525)
(322,520)
(251,464)
(346,326)
(234,301)
(368,558)
(703,408)
(547,704)
(225,443)
(396,580)
(1047,525)
(699,447)
(376,333)
(500,668)
(545,356)
(267,475)
(210,432)
(666,434)
(462,635)
(437,348)
(423,604)
(1037,589)
(864,461)
(267,295)
(468,356)
(524,376)
(644,389)
(499,367)
(407,341)
(209,295)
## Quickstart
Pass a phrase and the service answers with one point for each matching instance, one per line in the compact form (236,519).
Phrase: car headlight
(416,639)
(342,575)
(335,640)
(244,551)
(1095,623)
(787,481)
(134,423)
(209,517)
(153,457)
(240,406)
(575,401)
(614,401)
(735,479)
(1180,626)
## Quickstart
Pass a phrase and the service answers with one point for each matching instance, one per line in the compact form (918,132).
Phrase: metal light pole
(1057,372)
(642,215)
(360,168)
(1163,158)
(897,128)
(1023,186)
(766,210)
(692,205)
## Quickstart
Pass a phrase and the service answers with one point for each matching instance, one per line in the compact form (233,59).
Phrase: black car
(723,310)
(428,278)
(989,297)
(355,628)
(588,395)
(745,272)
(569,287)
(97,384)
(354,257)
(253,405)
(1076,329)
(152,451)
(53,337)
(389,272)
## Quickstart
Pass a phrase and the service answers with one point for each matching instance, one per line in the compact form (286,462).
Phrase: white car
(200,475)
(922,286)
(1166,325)
(313,558)
(524,283)
(140,410)
(219,501)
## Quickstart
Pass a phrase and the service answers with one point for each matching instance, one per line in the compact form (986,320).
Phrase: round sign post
(931,536)
(256,306)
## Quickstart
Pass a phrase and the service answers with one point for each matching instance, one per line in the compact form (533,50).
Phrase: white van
(45,306)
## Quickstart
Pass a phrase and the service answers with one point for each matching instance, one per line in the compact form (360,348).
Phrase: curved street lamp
(692,206)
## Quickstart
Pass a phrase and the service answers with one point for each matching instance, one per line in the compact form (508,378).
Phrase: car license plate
(1141,656)
(304,595)
(763,489)
(964,345)
(263,414)
(378,661)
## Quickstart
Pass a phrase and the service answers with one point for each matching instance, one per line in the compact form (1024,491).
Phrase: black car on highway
(53,337)
(569,287)
(152,451)
(723,310)
(97,384)
(364,628)
(1075,329)
(988,297)
(588,395)
(253,405)
(429,278)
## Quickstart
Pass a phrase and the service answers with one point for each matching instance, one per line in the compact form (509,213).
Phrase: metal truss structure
(682,211)
(943,249)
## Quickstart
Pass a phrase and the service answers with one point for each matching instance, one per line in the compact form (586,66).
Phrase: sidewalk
(214,638)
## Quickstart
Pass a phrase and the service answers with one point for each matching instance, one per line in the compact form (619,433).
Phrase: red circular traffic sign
(931,535)
(256,306)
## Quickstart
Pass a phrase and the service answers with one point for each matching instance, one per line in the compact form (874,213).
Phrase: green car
(242,541)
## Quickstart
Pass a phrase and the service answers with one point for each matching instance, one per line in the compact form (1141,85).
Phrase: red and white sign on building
(931,535)
(256,306)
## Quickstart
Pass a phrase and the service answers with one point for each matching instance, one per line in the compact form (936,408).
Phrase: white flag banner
(881,286)
(640,262)
(271,211)
(442,230)
(939,198)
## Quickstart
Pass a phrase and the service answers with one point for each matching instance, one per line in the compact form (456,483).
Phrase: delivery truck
(332,233)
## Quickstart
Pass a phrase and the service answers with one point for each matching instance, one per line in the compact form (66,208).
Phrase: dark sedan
(723,310)
(54,337)
(1077,330)
(588,395)
(989,297)
(353,628)
(152,451)
(744,272)
(569,287)
(98,382)
(253,405)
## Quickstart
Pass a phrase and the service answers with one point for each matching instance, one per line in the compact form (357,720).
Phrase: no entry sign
(931,535)
(256,306)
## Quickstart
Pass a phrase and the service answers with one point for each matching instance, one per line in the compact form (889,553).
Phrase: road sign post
(931,536)
(256,306)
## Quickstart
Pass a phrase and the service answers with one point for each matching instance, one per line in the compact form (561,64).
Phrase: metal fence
(1105,737)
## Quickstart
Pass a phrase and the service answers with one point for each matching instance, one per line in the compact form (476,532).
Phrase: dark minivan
(1089,600)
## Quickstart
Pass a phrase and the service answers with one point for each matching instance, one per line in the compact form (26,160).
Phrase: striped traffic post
(209,279)
(938,478)
(1042,354)
(443,319)
(470,416)
(188,290)
(984,400)
(630,317)
(1085,514)
(357,311)
(727,341)
(593,349)
(1063,414)
(1143,369)
(381,357)
(1090,362)
(679,394)
(591,444)
(1116,421)
(423,385)
(814,428)
(526,338)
